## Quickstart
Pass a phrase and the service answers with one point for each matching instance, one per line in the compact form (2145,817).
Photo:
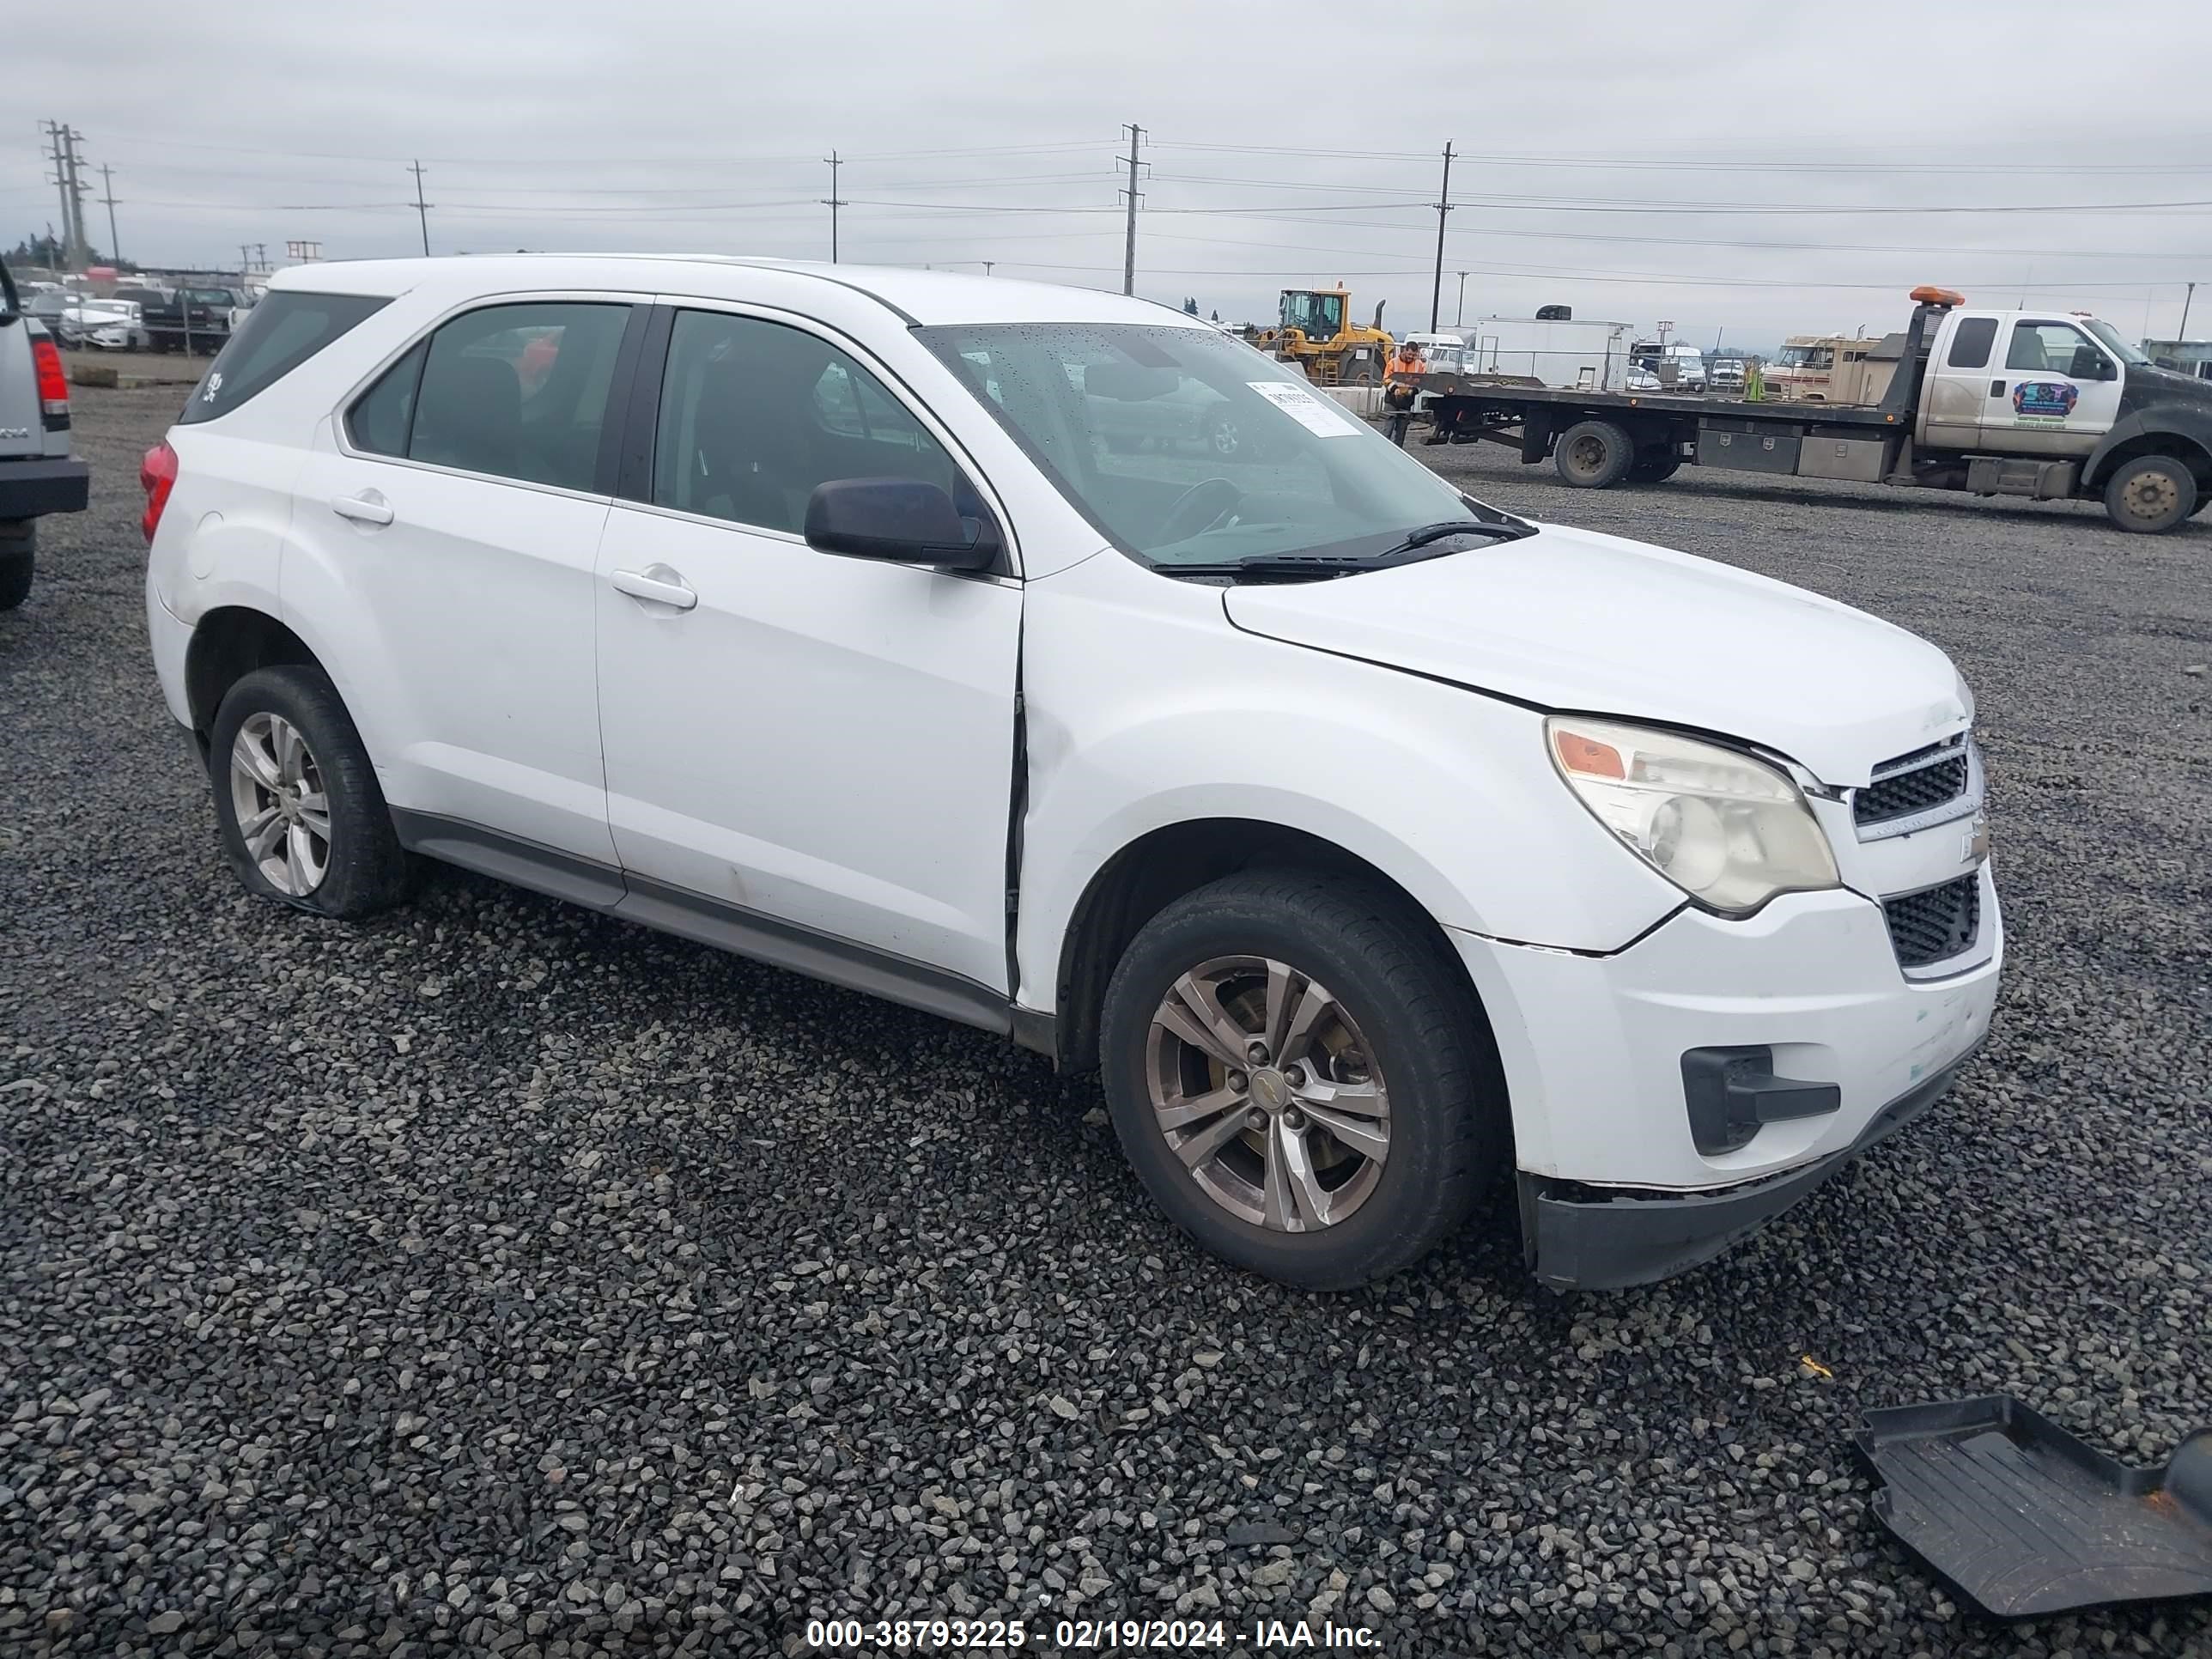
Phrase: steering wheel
(1204,504)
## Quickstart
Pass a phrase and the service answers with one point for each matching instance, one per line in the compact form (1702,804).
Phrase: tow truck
(2046,404)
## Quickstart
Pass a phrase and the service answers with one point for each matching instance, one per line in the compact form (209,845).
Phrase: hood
(2147,383)
(1572,620)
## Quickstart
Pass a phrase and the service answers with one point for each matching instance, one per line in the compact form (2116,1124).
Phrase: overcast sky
(1761,169)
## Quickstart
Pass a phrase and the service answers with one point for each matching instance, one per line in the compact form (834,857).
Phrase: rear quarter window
(278,336)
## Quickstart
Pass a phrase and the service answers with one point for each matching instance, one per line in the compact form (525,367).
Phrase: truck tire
(1655,468)
(296,800)
(1295,1069)
(2150,494)
(1594,455)
(1359,372)
(19,543)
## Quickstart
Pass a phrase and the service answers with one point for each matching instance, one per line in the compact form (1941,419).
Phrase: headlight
(1728,830)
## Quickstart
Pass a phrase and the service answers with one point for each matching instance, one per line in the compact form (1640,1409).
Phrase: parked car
(1375,844)
(37,475)
(1726,375)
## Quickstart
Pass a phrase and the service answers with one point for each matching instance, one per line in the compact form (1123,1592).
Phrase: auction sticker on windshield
(1316,415)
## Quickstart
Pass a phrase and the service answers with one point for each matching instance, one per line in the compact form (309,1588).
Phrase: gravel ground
(500,1277)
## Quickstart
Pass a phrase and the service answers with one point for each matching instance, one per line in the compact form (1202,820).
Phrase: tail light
(53,384)
(157,477)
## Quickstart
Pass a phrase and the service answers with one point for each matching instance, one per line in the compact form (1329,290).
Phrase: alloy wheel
(283,814)
(1267,1092)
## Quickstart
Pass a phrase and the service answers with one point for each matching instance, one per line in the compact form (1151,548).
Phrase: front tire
(2150,494)
(19,558)
(1295,1072)
(1594,455)
(302,820)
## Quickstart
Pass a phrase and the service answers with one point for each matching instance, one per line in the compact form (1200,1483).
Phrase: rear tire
(1372,1016)
(19,544)
(302,820)
(2150,494)
(1594,455)
(1654,469)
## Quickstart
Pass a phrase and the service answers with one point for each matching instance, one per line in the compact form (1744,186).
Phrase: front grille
(1913,783)
(1929,927)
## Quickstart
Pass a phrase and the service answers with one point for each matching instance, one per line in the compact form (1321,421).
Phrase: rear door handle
(368,507)
(1996,388)
(657,583)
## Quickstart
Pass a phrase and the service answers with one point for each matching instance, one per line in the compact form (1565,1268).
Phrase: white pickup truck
(37,475)
(2048,405)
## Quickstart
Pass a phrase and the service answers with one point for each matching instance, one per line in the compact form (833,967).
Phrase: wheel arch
(228,643)
(2186,438)
(1150,873)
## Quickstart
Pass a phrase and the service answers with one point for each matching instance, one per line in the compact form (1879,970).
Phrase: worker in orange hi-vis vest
(1403,390)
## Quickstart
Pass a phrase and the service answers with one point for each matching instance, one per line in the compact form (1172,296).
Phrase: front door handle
(368,507)
(657,583)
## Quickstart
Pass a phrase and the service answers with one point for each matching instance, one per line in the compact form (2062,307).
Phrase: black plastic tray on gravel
(2023,1519)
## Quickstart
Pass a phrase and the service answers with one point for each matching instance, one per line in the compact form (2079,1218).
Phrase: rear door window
(515,391)
(1970,345)
(278,336)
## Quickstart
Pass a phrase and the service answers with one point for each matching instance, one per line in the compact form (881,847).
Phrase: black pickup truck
(37,475)
(194,320)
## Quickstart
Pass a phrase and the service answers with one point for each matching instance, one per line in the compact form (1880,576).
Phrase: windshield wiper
(1506,530)
(1274,564)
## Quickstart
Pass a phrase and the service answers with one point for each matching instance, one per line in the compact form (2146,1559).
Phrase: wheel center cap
(1269,1091)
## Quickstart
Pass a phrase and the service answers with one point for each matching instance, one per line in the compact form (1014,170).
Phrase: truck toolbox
(1858,460)
(1746,451)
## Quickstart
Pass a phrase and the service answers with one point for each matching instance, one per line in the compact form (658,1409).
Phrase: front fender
(1444,790)
(2178,421)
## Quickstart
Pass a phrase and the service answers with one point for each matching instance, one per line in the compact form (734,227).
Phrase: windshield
(1320,315)
(1804,356)
(1184,447)
(2110,336)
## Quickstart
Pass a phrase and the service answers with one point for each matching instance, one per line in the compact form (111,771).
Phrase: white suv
(1374,843)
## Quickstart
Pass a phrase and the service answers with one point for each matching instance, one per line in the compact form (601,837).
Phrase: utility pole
(422,208)
(1129,247)
(1460,316)
(64,156)
(108,183)
(245,261)
(61,179)
(81,251)
(833,202)
(2182,333)
(1443,207)
(987,263)
(261,257)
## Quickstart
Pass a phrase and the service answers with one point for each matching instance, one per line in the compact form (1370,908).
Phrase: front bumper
(1592,1048)
(1584,1238)
(31,489)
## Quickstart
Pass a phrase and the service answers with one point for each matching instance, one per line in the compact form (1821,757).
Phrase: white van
(1376,845)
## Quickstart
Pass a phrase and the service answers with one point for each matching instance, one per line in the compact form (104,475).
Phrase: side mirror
(900,520)
(2090,364)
